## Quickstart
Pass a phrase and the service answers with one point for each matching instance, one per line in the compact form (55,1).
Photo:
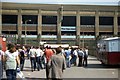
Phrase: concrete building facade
(85,22)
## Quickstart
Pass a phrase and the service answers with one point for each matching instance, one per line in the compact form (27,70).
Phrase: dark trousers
(11,74)
(47,71)
(80,61)
(22,64)
(73,60)
(39,65)
(33,63)
(85,61)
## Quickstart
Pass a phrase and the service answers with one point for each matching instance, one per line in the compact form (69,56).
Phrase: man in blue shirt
(67,57)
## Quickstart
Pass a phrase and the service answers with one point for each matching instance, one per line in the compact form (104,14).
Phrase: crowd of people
(54,60)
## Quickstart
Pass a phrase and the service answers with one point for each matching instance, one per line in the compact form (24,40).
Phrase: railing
(50,36)
(55,36)
(29,24)
(87,26)
(9,24)
(50,25)
(105,26)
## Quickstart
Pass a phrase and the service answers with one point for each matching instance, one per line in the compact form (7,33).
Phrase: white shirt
(32,52)
(86,50)
(39,52)
(11,60)
(75,52)
(81,53)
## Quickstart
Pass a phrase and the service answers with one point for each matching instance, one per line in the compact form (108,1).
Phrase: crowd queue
(54,60)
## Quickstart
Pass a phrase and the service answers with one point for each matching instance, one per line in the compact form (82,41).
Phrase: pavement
(94,71)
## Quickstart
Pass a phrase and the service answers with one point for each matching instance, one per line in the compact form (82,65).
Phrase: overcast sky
(98,2)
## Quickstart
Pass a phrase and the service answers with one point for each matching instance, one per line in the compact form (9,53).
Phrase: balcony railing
(9,24)
(52,27)
(55,36)
(29,24)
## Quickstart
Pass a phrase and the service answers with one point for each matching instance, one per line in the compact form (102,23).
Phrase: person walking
(39,54)
(80,56)
(11,60)
(32,53)
(48,53)
(22,58)
(74,56)
(56,65)
(85,62)
(68,57)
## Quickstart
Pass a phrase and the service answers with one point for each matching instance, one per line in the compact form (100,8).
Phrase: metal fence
(33,41)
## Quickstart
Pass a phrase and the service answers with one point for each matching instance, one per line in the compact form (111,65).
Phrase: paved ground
(94,71)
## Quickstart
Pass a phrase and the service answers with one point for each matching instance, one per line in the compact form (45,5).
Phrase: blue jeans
(11,74)
(73,60)
(68,62)
(39,65)
(22,64)
(33,63)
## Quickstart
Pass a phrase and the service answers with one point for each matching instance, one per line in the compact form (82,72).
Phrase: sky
(92,2)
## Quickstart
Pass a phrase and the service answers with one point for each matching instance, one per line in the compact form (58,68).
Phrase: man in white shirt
(39,54)
(85,63)
(32,53)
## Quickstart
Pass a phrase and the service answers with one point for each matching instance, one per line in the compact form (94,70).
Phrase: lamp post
(26,29)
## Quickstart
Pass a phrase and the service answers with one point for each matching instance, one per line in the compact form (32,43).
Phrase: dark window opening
(69,21)
(9,19)
(106,20)
(87,33)
(49,19)
(31,19)
(119,33)
(49,33)
(105,33)
(29,33)
(87,20)
(68,33)
(118,20)
(9,32)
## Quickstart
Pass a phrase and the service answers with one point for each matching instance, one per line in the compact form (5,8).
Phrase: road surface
(94,71)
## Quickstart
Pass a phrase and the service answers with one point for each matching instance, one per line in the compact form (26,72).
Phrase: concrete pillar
(39,28)
(0,18)
(59,22)
(78,29)
(96,24)
(19,26)
(115,23)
